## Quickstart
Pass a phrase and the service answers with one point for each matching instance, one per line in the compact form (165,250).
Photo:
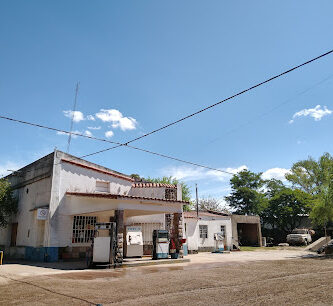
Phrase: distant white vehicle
(299,236)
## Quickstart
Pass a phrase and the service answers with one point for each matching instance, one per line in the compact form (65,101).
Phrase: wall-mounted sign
(42,213)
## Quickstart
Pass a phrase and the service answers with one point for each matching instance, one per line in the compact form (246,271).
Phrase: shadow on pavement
(65,265)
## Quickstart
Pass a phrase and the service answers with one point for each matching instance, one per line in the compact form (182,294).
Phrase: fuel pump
(104,246)
(160,244)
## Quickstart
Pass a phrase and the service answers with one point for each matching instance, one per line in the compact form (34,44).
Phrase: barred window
(223,230)
(83,229)
(203,229)
(170,194)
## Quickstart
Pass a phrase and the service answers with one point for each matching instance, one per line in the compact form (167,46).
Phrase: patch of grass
(249,248)
(291,248)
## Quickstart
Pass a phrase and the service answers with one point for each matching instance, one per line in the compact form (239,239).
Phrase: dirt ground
(271,277)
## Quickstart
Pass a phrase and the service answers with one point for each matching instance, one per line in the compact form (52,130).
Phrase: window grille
(102,186)
(83,229)
(147,231)
(170,194)
(203,229)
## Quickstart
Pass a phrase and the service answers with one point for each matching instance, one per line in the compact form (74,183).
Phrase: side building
(237,230)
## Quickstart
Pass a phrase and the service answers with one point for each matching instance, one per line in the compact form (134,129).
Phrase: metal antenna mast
(197,200)
(72,119)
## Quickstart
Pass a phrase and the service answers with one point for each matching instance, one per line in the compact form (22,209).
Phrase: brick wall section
(119,214)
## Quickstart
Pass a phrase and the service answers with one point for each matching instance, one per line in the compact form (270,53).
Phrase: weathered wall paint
(192,233)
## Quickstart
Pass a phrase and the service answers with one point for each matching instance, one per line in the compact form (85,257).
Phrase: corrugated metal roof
(193,214)
(119,196)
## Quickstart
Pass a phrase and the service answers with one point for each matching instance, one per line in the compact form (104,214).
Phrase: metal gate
(147,231)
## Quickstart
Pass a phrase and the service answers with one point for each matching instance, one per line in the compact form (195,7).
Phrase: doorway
(13,234)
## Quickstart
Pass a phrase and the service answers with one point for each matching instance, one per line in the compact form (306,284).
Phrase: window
(203,229)
(171,194)
(83,229)
(102,186)
(223,230)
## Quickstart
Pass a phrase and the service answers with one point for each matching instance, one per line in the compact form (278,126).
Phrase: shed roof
(193,214)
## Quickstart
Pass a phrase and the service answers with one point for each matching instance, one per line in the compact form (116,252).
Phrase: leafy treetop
(8,204)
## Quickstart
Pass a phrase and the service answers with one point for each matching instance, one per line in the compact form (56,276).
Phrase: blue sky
(142,64)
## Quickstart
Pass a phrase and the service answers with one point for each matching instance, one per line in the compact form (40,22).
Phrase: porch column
(119,216)
(177,232)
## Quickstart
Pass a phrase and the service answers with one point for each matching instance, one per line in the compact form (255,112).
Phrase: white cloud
(66,134)
(88,133)
(317,113)
(94,127)
(188,174)
(109,134)
(76,115)
(277,173)
(91,118)
(196,173)
(117,119)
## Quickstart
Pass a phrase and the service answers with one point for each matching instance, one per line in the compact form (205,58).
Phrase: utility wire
(273,109)
(57,130)
(109,141)
(216,104)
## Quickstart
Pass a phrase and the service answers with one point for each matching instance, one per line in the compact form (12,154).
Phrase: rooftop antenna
(72,119)
(197,200)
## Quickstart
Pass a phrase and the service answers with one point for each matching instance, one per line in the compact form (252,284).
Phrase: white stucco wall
(192,233)
(30,231)
(70,177)
(158,218)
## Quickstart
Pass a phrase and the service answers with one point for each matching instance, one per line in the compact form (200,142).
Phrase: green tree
(8,204)
(273,187)
(246,196)
(286,209)
(322,212)
(315,178)
(310,175)
(136,176)
(186,191)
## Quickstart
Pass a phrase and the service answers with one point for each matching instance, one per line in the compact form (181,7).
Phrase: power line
(262,115)
(57,130)
(109,141)
(215,104)
(180,160)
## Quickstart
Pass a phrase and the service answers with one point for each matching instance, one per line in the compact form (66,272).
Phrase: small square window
(102,186)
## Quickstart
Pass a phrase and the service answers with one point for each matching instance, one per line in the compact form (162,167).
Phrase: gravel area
(271,277)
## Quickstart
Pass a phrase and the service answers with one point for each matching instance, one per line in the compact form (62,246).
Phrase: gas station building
(62,197)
